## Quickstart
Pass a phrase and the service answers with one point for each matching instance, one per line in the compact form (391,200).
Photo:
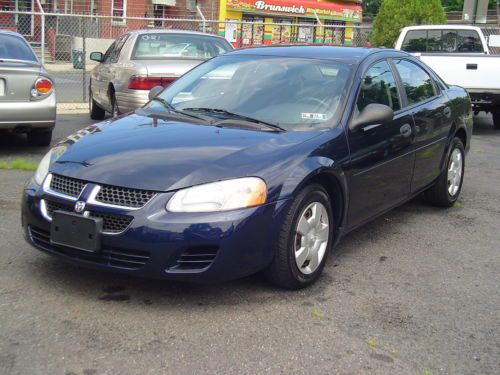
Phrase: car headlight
(220,196)
(49,159)
(43,168)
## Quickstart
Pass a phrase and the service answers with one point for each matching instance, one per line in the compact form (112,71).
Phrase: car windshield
(294,93)
(178,46)
(13,47)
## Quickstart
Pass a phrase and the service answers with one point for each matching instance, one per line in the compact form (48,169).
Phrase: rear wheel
(496,119)
(40,138)
(304,240)
(447,188)
(96,112)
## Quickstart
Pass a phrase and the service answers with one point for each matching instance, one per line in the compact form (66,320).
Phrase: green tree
(393,15)
(370,7)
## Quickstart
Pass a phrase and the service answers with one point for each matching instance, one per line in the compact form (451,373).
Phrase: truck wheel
(496,119)
(447,188)
(39,138)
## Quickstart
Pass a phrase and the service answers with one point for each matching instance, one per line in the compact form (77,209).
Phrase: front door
(382,156)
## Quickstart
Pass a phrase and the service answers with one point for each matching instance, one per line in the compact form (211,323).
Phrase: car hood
(153,154)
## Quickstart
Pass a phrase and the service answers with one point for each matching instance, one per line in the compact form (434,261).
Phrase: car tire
(115,112)
(40,138)
(96,112)
(446,190)
(298,242)
(496,119)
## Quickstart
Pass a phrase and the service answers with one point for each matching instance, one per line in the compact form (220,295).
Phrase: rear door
(382,156)
(431,113)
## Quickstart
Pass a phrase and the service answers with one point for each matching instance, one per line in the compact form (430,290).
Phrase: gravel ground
(414,292)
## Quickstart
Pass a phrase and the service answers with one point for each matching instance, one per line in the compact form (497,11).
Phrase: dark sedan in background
(27,94)
(258,160)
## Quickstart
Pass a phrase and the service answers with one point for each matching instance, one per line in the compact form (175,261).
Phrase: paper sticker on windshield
(313,116)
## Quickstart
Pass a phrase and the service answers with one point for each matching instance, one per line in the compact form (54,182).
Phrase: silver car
(27,93)
(142,59)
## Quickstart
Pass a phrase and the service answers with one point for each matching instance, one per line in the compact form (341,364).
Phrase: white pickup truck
(460,56)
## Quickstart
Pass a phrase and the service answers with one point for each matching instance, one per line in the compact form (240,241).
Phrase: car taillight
(43,86)
(147,83)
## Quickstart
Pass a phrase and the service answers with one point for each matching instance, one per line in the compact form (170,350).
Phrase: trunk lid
(17,79)
(167,68)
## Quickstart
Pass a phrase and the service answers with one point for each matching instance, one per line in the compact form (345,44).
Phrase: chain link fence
(64,41)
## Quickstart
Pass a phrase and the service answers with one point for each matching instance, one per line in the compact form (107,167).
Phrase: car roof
(8,32)
(348,54)
(172,31)
(439,27)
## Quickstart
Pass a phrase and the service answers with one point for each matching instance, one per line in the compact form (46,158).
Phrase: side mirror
(155,91)
(372,114)
(96,56)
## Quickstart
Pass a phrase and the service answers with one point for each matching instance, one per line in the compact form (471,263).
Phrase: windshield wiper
(171,108)
(237,115)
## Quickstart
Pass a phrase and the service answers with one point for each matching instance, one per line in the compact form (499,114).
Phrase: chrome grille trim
(67,186)
(46,188)
(93,199)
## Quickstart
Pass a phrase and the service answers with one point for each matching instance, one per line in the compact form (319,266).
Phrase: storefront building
(275,21)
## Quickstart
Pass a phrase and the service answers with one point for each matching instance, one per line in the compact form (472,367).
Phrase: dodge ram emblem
(79,206)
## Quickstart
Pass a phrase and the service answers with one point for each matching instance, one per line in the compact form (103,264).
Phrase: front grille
(66,185)
(111,223)
(125,197)
(196,258)
(123,258)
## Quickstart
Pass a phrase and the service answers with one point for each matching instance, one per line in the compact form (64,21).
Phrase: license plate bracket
(76,231)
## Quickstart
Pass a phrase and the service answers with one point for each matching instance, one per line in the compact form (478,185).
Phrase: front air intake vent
(196,258)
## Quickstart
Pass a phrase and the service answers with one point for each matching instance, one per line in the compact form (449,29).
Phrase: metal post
(204,22)
(84,57)
(42,26)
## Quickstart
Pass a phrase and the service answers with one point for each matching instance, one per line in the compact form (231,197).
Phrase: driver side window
(379,87)
(108,52)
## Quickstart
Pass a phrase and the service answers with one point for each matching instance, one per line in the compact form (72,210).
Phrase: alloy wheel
(311,237)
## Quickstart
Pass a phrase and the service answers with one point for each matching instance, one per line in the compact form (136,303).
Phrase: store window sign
(262,5)
(304,8)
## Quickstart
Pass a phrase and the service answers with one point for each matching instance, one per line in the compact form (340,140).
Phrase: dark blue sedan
(257,160)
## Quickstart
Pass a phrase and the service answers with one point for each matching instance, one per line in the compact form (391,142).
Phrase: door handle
(447,112)
(405,130)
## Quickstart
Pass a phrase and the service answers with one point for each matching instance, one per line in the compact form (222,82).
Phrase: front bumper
(209,247)
(36,114)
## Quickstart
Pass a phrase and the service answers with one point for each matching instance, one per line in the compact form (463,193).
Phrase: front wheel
(96,112)
(445,192)
(304,240)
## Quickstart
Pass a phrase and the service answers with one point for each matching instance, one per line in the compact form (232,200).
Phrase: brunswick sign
(303,8)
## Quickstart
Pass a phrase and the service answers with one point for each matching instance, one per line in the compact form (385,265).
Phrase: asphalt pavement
(414,292)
